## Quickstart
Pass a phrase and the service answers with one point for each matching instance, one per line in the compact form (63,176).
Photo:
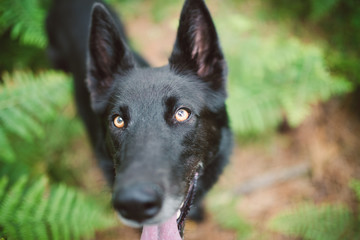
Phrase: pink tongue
(165,231)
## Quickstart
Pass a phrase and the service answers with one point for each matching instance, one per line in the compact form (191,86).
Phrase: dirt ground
(311,163)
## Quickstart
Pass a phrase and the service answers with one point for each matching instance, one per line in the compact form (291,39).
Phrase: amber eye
(119,122)
(182,115)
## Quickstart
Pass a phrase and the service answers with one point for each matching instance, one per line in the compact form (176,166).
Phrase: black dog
(155,131)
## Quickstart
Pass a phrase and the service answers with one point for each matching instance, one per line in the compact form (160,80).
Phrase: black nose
(138,202)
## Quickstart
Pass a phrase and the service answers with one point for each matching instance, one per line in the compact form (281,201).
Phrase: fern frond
(223,207)
(28,211)
(355,186)
(26,20)
(270,77)
(3,183)
(8,206)
(6,150)
(319,8)
(311,222)
(27,101)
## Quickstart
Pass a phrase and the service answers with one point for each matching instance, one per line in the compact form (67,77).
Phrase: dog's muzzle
(139,202)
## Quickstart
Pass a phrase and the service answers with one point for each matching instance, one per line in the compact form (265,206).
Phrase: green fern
(26,20)
(28,211)
(27,101)
(325,222)
(355,186)
(320,8)
(271,77)
(223,207)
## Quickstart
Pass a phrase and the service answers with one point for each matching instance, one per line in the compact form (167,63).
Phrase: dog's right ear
(108,55)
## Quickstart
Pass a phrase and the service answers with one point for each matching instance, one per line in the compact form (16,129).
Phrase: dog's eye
(182,115)
(119,122)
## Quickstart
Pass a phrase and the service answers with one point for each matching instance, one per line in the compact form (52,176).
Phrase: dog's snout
(139,202)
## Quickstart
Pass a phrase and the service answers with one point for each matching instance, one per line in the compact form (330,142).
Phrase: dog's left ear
(197,46)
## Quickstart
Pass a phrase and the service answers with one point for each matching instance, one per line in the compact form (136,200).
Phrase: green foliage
(324,222)
(307,9)
(159,10)
(15,55)
(320,8)
(22,34)
(28,211)
(25,19)
(37,124)
(27,102)
(339,24)
(355,186)
(272,77)
(312,9)
(223,207)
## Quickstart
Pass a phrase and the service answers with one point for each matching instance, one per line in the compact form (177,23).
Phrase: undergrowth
(272,78)
(25,19)
(27,102)
(33,210)
(324,222)
(223,207)
(337,22)
(36,125)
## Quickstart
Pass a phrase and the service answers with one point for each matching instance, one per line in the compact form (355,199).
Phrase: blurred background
(294,96)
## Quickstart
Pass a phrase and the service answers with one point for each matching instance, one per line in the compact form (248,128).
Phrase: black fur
(154,157)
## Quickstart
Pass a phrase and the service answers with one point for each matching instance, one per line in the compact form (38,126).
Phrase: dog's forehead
(152,86)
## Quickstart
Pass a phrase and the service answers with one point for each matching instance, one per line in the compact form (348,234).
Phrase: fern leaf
(8,206)
(223,207)
(54,210)
(29,212)
(270,77)
(17,122)
(27,102)
(7,153)
(32,197)
(355,186)
(66,211)
(326,222)
(3,184)
(12,198)
(26,20)
(319,8)
(32,201)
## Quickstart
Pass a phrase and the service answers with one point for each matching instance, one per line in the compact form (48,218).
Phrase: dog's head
(162,125)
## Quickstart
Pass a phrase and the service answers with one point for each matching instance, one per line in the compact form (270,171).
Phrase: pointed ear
(108,55)
(197,46)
